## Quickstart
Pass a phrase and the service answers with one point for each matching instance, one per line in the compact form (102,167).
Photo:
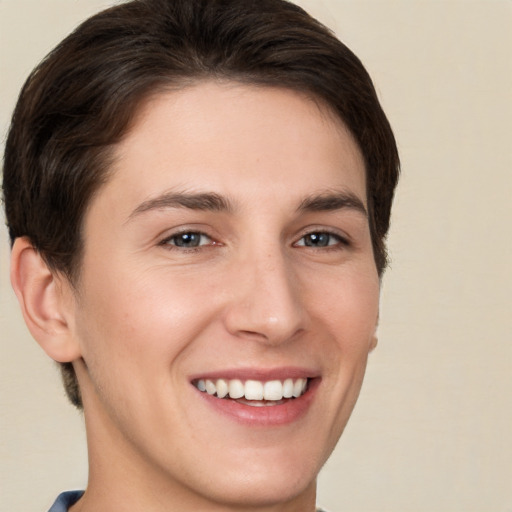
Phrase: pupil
(187,240)
(317,240)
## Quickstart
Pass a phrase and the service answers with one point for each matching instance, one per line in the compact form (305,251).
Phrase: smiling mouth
(254,393)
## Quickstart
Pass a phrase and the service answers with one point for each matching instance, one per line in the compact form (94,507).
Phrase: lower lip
(265,416)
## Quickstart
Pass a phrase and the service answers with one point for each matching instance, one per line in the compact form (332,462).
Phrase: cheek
(348,304)
(348,309)
(134,335)
(126,320)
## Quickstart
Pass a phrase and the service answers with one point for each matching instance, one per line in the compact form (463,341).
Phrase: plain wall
(433,427)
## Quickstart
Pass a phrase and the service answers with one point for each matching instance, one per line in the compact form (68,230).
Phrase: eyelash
(339,241)
(167,242)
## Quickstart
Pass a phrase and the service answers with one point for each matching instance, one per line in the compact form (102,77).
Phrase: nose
(266,303)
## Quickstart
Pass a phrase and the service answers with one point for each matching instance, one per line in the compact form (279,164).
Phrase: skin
(253,294)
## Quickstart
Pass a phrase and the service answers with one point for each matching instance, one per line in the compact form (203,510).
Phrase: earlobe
(374,339)
(45,302)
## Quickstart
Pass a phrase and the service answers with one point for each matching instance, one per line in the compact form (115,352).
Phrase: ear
(46,302)
(374,339)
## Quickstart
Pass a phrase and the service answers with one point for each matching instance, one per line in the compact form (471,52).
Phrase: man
(198,193)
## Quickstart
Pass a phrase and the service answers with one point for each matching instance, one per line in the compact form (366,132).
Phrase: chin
(265,479)
(261,490)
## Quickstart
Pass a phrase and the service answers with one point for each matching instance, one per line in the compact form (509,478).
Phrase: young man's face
(229,250)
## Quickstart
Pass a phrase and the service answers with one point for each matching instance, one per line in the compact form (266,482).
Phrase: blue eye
(188,240)
(320,239)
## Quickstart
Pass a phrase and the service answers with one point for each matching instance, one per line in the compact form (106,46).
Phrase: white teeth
(236,389)
(222,388)
(297,388)
(253,390)
(210,387)
(256,403)
(288,388)
(272,390)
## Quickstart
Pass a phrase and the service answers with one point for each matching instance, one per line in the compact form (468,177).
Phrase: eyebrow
(210,201)
(202,201)
(333,201)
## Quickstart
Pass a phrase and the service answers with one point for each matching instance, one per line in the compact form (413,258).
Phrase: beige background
(433,427)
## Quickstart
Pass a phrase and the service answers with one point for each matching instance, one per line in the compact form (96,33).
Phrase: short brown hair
(78,103)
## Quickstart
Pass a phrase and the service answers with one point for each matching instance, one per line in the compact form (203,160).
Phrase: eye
(188,240)
(321,239)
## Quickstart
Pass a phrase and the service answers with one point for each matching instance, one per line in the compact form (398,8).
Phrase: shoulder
(65,500)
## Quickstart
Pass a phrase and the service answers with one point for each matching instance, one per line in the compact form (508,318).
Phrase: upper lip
(260,374)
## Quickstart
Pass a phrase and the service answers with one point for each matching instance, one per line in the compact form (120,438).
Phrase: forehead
(232,138)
